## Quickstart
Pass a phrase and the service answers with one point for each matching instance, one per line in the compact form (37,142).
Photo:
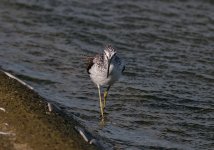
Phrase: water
(164,100)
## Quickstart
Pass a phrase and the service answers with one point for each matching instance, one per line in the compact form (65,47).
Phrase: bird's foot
(101,117)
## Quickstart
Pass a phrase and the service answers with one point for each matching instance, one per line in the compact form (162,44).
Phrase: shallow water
(165,98)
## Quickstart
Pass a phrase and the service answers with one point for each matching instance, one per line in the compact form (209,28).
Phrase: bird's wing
(89,63)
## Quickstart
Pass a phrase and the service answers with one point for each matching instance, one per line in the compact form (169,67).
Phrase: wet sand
(26,123)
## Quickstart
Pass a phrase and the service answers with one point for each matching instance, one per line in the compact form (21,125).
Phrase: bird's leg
(105,96)
(101,104)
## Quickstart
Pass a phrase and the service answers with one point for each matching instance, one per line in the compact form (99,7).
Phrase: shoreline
(28,122)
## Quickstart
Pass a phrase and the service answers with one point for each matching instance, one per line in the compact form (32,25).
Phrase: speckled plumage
(98,68)
(105,69)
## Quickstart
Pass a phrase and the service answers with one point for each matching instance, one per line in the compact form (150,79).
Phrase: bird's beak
(109,62)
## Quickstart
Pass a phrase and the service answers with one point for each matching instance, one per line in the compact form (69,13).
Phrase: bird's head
(109,54)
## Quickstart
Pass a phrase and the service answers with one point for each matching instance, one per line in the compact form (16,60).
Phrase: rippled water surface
(165,98)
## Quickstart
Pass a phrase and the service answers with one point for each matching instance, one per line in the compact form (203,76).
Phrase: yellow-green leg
(105,96)
(101,104)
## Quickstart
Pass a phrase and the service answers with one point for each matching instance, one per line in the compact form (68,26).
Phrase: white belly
(100,77)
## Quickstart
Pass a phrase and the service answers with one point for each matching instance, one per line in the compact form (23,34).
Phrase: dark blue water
(165,99)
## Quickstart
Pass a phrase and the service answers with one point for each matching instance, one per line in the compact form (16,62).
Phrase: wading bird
(104,70)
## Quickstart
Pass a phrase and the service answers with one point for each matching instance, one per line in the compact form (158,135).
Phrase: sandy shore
(26,123)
